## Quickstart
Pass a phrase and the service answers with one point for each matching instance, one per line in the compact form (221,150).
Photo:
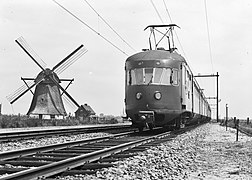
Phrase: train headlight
(142,117)
(138,95)
(157,95)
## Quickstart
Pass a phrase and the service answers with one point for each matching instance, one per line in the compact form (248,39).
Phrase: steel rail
(10,136)
(73,162)
(29,151)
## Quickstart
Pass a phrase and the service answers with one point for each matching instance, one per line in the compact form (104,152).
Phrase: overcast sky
(99,74)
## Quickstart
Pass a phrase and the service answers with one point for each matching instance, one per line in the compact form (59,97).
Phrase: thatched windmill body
(47,97)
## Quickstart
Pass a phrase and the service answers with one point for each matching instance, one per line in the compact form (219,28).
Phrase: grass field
(243,125)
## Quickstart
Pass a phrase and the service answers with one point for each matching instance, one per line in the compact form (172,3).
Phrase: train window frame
(164,77)
(128,78)
(148,80)
(157,79)
(175,77)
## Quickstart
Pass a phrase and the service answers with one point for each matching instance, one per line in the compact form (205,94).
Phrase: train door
(186,94)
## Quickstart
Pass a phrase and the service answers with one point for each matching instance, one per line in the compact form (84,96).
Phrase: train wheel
(177,123)
(151,126)
(140,128)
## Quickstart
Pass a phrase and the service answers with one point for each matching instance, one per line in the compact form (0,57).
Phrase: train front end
(152,88)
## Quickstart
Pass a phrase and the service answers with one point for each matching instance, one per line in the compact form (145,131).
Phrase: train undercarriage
(151,119)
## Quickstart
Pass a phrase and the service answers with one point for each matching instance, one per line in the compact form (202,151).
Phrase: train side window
(184,75)
(175,77)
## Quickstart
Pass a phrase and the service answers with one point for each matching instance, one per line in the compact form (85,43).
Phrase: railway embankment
(207,152)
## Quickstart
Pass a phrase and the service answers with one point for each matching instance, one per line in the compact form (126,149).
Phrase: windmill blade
(70,59)
(62,89)
(21,91)
(30,52)
(18,91)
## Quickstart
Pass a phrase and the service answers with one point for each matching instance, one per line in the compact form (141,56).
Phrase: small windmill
(47,97)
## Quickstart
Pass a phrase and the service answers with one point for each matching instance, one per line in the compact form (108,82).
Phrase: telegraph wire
(109,26)
(208,36)
(90,27)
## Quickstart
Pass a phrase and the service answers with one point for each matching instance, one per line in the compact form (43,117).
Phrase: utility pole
(226,116)
(217,95)
(217,92)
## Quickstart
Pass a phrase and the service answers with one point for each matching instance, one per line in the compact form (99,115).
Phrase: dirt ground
(220,156)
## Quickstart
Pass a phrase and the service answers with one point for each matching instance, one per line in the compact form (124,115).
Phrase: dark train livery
(160,89)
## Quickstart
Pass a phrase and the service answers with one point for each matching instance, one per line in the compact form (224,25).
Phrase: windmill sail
(34,56)
(70,59)
(47,98)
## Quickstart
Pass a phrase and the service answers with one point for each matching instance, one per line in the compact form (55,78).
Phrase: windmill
(47,97)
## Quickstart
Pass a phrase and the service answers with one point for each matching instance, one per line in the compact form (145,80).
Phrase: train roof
(155,55)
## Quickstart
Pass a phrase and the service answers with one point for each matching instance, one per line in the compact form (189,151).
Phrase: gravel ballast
(207,152)
(22,144)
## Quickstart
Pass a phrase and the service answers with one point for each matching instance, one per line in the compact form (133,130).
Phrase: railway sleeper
(83,172)
(108,160)
(54,154)
(25,163)
(120,156)
(90,168)
(11,170)
(96,166)
(41,158)
(78,152)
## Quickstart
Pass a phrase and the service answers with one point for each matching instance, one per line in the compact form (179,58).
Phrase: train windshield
(158,76)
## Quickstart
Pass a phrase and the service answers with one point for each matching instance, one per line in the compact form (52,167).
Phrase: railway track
(79,157)
(17,135)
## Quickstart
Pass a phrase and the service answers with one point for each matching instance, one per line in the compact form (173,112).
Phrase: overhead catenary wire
(81,21)
(208,36)
(99,15)
(167,11)
(157,11)
(169,15)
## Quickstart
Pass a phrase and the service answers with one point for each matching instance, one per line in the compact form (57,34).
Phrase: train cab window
(132,77)
(147,76)
(165,79)
(157,75)
(139,75)
(136,76)
(128,78)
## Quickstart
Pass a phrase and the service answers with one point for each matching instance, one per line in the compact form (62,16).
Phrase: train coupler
(147,117)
